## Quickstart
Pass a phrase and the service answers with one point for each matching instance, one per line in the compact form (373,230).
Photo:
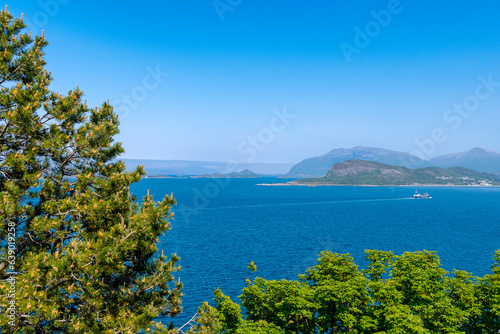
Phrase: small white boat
(421,196)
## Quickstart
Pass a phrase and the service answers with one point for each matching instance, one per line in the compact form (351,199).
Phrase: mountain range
(245,174)
(188,167)
(362,172)
(477,159)
(318,166)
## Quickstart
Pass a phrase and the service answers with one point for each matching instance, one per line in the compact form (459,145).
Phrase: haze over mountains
(362,172)
(478,159)
(187,167)
(319,166)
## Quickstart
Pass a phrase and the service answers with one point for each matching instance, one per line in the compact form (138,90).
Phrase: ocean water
(221,225)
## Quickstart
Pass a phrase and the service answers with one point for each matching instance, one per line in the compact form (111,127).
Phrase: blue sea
(221,225)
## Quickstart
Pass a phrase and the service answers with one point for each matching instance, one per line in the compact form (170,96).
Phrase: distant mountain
(175,167)
(361,172)
(243,174)
(478,159)
(187,167)
(319,166)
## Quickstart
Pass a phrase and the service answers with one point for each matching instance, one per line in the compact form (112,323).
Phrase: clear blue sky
(372,73)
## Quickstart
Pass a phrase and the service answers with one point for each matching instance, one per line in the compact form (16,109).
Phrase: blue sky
(262,81)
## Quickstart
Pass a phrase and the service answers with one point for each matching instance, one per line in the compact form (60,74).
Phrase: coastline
(376,185)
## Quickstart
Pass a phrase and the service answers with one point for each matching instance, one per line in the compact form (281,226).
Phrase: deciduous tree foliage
(409,293)
(84,247)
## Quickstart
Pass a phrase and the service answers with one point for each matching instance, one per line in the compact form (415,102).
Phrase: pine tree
(77,249)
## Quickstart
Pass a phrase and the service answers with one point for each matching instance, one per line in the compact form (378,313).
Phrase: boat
(421,196)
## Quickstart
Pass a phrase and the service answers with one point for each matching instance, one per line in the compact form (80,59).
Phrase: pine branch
(67,160)
(5,128)
(191,321)
(11,74)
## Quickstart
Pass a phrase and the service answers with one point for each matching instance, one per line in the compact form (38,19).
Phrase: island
(234,175)
(371,173)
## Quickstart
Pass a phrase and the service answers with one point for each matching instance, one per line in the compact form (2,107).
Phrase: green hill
(362,172)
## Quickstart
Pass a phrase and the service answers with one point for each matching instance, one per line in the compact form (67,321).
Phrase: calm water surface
(222,225)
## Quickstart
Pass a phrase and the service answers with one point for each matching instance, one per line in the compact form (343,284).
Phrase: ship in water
(421,196)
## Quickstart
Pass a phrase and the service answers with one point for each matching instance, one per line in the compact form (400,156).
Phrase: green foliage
(206,320)
(84,248)
(228,312)
(489,295)
(339,292)
(258,327)
(409,293)
(252,267)
(287,304)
